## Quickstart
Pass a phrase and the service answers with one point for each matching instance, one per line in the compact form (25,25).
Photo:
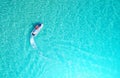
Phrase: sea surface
(80,39)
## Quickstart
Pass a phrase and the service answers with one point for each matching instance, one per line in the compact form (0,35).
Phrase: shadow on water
(34,24)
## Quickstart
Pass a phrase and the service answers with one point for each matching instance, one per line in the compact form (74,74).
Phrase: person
(36,27)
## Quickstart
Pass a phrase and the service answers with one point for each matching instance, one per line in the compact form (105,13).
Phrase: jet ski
(36,30)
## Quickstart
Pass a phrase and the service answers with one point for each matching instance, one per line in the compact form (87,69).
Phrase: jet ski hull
(36,31)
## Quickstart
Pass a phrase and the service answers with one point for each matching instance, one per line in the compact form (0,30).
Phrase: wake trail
(32,42)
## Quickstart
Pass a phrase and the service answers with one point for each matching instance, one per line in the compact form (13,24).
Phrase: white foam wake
(32,42)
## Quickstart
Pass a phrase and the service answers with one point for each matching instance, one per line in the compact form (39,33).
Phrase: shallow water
(80,39)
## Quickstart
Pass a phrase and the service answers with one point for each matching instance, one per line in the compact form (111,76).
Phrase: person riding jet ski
(37,29)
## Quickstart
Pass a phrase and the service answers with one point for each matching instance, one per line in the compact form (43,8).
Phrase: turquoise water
(80,39)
